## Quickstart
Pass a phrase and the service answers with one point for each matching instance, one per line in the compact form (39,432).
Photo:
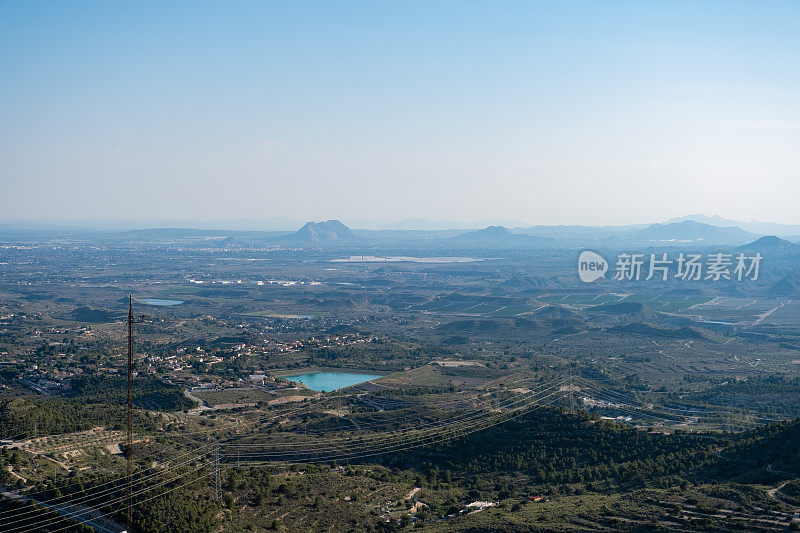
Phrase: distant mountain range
(439,225)
(685,232)
(679,233)
(761,228)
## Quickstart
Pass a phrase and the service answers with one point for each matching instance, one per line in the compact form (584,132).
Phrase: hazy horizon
(548,113)
(292,224)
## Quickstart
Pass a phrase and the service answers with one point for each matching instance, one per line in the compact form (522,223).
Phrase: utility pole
(129,436)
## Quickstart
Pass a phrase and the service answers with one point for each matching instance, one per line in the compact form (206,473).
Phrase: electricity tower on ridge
(129,435)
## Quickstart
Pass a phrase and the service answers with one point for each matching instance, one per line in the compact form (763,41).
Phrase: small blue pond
(329,381)
(159,301)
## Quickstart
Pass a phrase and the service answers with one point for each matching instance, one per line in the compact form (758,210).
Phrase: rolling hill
(787,287)
(772,245)
(499,235)
(691,232)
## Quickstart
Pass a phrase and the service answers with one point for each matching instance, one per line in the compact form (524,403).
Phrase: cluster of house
(180,364)
(182,359)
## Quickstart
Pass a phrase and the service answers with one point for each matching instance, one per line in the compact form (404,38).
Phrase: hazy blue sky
(545,112)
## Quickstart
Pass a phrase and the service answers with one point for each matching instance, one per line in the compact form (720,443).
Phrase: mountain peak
(326,231)
(494,230)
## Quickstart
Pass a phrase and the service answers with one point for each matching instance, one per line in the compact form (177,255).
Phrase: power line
(401,444)
(93,499)
(217,479)
(465,417)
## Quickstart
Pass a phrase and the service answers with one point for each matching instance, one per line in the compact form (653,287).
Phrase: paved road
(201,405)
